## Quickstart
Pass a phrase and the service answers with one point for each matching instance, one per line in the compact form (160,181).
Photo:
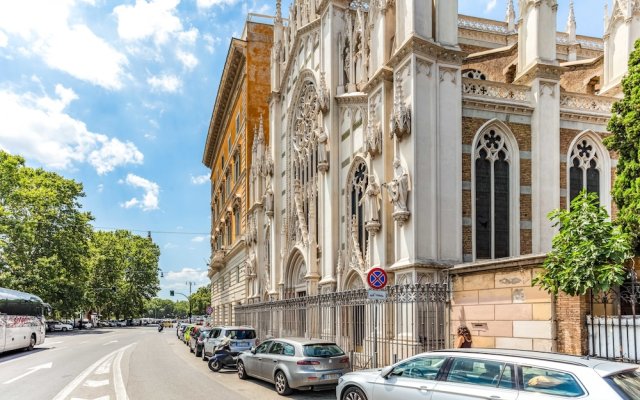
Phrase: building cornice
(230,75)
(424,47)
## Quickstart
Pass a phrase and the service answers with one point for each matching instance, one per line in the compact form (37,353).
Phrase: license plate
(331,376)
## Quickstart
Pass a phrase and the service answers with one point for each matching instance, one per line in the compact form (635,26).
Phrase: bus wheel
(32,342)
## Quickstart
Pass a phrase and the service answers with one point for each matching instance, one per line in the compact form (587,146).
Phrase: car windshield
(628,382)
(322,350)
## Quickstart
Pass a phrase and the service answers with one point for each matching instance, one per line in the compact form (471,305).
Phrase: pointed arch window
(359,184)
(496,191)
(584,168)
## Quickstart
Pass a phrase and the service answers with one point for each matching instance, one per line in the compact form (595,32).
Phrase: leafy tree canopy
(43,234)
(625,140)
(589,252)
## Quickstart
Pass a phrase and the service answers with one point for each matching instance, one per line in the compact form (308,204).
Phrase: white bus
(22,323)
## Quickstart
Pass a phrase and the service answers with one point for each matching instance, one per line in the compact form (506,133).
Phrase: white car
(494,374)
(61,326)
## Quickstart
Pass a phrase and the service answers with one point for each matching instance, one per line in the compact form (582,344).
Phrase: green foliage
(43,234)
(625,140)
(588,252)
(130,264)
(201,299)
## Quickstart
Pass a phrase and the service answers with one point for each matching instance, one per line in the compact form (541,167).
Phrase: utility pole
(190,285)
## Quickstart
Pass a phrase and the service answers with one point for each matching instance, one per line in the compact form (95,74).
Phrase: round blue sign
(377,278)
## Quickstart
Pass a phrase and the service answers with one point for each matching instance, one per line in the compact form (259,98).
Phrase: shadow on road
(15,354)
(297,394)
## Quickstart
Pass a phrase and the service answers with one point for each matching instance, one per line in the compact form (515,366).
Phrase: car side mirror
(386,371)
(253,350)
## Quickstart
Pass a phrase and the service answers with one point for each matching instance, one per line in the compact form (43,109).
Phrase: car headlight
(340,380)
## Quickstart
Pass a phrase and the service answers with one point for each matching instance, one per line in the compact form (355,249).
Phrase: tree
(201,299)
(43,234)
(625,140)
(589,252)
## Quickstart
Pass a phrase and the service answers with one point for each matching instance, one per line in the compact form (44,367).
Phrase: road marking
(113,341)
(118,383)
(29,372)
(48,343)
(56,348)
(105,368)
(64,393)
(95,384)
(86,341)
(107,397)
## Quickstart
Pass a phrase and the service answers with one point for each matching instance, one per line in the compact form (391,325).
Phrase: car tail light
(344,360)
(308,362)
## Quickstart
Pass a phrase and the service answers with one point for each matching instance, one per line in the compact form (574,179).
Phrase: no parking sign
(377,278)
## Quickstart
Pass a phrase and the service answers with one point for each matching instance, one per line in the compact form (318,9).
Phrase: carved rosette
(400,120)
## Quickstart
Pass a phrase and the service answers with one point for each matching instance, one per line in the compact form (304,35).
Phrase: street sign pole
(377,280)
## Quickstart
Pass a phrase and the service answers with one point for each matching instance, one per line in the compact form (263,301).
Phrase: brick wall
(571,327)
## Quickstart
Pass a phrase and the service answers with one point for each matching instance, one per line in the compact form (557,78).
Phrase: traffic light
(171,293)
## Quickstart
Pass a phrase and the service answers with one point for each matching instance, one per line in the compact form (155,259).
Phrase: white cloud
(148,19)
(37,127)
(165,83)
(198,239)
(188,37)
(200,179)
(177,279)
(211,3)
(151,193)
(4,40)
(100,188)
(187,59)
(74,49)
(491,4)
(211,42)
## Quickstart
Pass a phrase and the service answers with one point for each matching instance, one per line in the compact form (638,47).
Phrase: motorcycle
(223,357)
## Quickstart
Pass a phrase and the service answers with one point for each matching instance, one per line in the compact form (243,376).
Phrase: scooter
(223,357)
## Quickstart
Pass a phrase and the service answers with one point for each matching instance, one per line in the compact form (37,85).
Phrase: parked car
(494,374)
(303,364)
(187,333)
(196,343)
(182,331)
(59,326)
(243,338)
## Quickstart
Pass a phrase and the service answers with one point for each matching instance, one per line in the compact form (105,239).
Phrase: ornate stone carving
(357,260)
(399,189)
(251,264)
(323,95)
(323,151)
(374,131)
(268,202)
(302,222)
(577,101)
(372,205)
(400,119)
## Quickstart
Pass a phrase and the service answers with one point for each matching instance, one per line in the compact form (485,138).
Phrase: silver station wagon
(304,364)
(494,374)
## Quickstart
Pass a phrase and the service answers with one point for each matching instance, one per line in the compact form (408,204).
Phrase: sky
(118,95)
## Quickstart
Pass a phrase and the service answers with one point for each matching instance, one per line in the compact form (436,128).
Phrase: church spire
(511,16)
(571,23)
(278,11)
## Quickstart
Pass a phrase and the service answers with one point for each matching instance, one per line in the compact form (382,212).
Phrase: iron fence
(613,325)
(412,319)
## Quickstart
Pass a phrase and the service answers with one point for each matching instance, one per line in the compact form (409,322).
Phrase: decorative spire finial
(571,23)
(511,16)
(606,17)
(278,10)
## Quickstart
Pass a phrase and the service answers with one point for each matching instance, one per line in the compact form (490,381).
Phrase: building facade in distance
(235,129)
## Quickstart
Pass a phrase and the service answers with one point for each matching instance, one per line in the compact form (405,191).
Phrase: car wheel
(353,393)
(64,329)
(198,352)
(215,365)
(282,385)
(32,343)
(242,373)
(190,349)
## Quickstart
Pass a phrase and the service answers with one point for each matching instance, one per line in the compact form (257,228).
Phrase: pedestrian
(463,339)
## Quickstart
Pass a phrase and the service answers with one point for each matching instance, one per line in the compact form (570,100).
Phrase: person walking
(463,339)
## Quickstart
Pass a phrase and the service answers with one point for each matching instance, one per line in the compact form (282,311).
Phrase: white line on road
(121,391)
(107,397)
(113,341)
(29,372)
(105,368)
(48,342)
(96,384)
(64,393)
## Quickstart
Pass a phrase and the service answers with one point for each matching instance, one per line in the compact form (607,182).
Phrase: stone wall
(496,301)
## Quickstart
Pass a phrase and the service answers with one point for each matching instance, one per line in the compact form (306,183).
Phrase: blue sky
(118,95)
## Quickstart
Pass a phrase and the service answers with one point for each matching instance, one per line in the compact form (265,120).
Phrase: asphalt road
(123,363)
